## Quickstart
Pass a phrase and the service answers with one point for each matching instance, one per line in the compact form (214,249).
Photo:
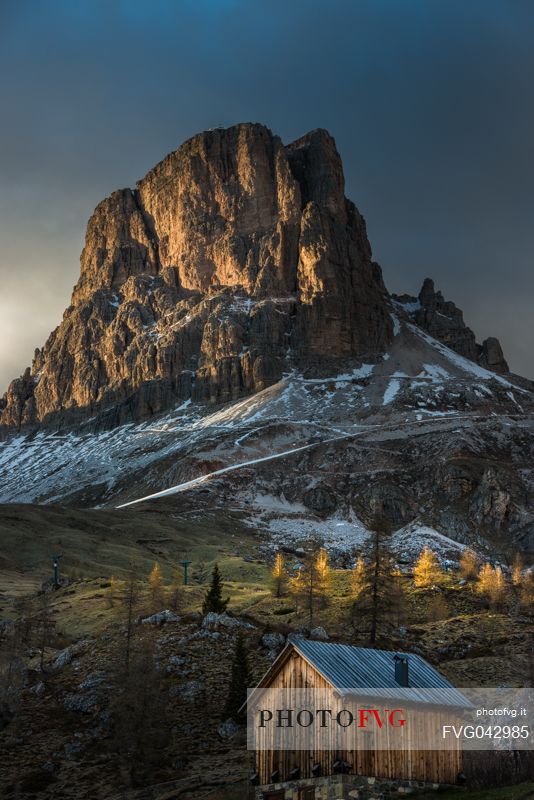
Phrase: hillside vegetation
(79,724)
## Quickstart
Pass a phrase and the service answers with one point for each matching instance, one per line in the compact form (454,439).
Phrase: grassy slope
(97,544)
(103,542)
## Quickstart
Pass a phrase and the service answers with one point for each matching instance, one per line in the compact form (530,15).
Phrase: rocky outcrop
(491,356)
(234,259)
(443,320)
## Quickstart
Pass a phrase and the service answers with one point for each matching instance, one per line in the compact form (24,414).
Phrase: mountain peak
(234,259)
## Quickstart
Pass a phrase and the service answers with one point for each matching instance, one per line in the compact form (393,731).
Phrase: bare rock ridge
(233,261)
(443,320)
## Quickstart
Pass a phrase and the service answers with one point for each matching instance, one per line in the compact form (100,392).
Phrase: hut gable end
(296,672)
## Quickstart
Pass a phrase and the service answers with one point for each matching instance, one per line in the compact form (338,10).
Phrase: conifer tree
(437,608)
(304,587)
(155,583)
(176,590)
(240,680)
(129,598)
(427,571)
(140,715)
(309,584)
(111,591)
(373,608)
(469,564)
(279,575)
(213,600)
(45,626)
(296,586)
(399,602)
(14,643)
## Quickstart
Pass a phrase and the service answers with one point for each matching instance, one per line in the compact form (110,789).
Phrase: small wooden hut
(306,664)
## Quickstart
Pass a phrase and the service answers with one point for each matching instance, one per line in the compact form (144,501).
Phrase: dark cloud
(431,104)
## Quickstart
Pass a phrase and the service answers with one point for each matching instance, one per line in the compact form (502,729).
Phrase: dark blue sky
(430,101)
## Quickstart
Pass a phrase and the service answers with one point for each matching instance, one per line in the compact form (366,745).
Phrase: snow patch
(410,307)
(391,391)
(360,372)
(464,363)
(396,324)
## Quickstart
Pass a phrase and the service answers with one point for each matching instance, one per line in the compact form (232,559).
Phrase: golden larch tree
(358,579)
(111,591)
(427,571)
(322,568)
(527,592)
(469,565)
(485,577)
(517,570)
(279,575)
(491,584)
(156,586)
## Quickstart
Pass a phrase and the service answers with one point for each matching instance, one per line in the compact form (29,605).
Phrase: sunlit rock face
(235,259)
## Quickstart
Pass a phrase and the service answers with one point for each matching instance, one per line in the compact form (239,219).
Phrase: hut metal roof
(347,668)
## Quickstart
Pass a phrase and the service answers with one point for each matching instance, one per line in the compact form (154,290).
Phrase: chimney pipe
(401,670)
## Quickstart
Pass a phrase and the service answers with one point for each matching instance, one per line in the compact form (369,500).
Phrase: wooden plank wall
(437,766)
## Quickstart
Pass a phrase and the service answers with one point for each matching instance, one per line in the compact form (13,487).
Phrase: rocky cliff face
(234,260)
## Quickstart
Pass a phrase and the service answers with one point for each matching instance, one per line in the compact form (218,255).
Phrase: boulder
(296,636)
(319,634)
(81,703)
(188,691)
(94,679)
(161,618)
(63,658)
(273,641)
(175,664)
(213,621)
(228,729)
(66,656)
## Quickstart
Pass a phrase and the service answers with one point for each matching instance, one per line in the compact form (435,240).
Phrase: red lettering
(363,717)
(396,718)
